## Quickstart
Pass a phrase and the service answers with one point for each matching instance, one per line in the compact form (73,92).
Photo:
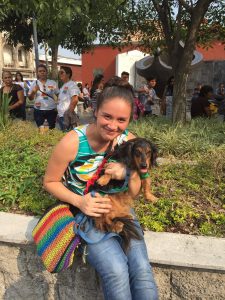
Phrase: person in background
(80,104)
(86,94)
(150,95)
(19,80)
(43,91)
(96,88)
(138,107)
(125,76)
(124,276)
(197,90)
(16,93)
(221,90)
(167,102)
(67,99)
(200,107)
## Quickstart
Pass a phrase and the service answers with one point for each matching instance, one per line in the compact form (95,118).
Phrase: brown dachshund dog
(139,155)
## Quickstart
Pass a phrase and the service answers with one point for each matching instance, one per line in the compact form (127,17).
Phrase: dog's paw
(104,180)
(150,197)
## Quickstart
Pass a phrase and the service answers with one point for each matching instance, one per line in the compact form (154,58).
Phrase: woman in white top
(68,96)
(43,91)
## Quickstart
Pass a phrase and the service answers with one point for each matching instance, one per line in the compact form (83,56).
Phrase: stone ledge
(163,248)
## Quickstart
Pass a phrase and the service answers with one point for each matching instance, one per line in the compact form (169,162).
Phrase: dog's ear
(125,152)
(154,154)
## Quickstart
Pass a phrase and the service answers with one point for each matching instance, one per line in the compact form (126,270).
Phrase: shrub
(190,188)
(23,156)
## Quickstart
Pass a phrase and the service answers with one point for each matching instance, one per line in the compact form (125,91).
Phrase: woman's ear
(95,114)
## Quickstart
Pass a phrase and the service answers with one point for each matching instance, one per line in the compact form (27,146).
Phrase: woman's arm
(73,102)
(20,96)
(33,91)
(62,155)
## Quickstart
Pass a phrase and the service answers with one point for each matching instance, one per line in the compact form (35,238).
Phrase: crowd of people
(63,105)
(124,275)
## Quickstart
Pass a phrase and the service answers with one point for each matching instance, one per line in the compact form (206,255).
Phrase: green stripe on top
(86,162)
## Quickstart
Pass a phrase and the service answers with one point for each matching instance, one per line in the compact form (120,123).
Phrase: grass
(190,185)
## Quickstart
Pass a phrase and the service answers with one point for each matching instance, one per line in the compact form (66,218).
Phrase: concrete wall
(185,267)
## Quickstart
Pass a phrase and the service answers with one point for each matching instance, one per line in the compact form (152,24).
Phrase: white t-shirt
(67,91)
(41,100)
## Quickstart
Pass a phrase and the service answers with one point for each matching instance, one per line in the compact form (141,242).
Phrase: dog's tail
(130,231)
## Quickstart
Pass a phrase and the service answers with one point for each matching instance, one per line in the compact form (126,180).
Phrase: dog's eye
(137,153)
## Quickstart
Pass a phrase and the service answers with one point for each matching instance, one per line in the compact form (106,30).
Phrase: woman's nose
(113,124)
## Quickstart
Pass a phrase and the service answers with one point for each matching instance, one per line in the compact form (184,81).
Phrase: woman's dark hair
(150,78)
(18,73)
(68,71)
(205,90)
(5,71)
(116,87)
(98,78)
(80,86)
(42,66)
(170,79)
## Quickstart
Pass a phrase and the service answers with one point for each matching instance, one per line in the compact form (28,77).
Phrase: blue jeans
(124,276)
(41,115)
(61,123)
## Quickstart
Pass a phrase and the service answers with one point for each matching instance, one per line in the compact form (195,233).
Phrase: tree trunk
(179,97)
(54,50)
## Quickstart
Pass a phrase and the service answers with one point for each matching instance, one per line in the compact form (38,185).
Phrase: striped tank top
(86,162)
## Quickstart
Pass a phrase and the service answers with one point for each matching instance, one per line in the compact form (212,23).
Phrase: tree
(165,23)
(55,20)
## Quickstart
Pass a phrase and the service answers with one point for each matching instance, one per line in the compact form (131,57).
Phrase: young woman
(68,95)
(16,93)
(96,89)
(77,156)
(43,91)
(19,80)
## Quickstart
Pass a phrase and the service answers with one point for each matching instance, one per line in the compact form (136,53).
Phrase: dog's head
(139,154)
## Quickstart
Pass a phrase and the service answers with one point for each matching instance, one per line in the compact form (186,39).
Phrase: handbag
(56,238)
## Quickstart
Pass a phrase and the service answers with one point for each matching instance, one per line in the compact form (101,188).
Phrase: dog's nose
(143,165)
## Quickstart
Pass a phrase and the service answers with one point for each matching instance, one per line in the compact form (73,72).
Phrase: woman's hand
(95,206)
(116,170)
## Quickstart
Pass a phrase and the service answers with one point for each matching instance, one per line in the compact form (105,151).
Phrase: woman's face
(7,78)
(42,73)
(18,77)
(113,118)
(63,76)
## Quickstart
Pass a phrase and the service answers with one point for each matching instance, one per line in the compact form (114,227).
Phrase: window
(20,58)
(8,56)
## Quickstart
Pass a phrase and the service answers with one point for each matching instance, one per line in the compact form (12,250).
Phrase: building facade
(110,62)
(15,59)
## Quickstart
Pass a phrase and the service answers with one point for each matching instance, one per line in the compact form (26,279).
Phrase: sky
(63,52)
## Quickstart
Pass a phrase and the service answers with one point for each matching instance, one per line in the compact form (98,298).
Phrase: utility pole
(35,42)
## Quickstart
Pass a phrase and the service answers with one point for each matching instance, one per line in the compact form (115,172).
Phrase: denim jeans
(61,123)
(124,276)
(41,115)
